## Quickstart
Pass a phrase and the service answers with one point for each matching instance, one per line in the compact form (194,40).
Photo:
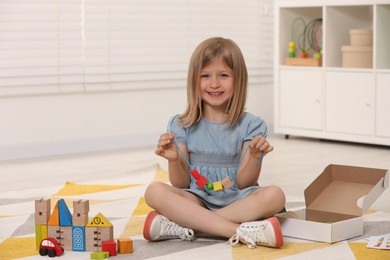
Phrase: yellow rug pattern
(119,197)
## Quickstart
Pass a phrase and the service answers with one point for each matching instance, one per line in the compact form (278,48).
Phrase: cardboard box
(357,56)
(361,37)
(335,202)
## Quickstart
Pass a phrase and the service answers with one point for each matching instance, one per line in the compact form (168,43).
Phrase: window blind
(77,46)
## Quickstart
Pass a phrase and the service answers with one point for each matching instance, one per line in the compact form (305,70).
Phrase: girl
(214,153)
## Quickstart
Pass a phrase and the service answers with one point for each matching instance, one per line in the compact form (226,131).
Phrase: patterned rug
(121,201)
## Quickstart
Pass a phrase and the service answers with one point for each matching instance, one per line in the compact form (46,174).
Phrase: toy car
(49,246)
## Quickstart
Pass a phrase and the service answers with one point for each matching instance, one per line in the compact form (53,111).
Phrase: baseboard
(43,149)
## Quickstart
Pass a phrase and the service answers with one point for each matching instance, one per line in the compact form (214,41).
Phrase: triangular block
(65,215)
(55,217)
(99,221)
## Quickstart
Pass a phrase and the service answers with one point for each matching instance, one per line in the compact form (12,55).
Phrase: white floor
(293,165)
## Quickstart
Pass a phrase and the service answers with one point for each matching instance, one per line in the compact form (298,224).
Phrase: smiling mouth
(215,94)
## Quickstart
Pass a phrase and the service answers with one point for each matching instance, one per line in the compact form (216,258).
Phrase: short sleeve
(256,126)
(177,129)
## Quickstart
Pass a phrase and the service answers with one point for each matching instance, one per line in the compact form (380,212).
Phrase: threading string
(182,154)
(239,163)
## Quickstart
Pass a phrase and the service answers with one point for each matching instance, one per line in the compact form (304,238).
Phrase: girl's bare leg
(187,210)
(261,203)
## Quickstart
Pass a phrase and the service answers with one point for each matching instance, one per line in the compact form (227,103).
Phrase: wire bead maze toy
(226,183)
(310,34)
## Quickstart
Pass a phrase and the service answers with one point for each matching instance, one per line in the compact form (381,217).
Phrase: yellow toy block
(218,186)
(99,221)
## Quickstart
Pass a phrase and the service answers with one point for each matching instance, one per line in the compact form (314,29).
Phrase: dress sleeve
(256,126)
(177,129)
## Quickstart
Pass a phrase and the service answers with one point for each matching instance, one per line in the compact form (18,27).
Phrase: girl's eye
(224,75)
(204,76)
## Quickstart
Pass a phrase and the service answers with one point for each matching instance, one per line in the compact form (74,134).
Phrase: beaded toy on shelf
(202,181)
(310,34)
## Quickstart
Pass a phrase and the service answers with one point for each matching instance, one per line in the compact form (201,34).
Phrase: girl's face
(216,85)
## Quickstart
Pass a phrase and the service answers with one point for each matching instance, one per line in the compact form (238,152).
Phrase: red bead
(202,181)
(195,174)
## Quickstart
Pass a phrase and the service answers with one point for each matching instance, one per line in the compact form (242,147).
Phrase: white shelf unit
(331,101)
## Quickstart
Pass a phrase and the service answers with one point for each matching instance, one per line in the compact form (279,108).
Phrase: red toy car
(49,246)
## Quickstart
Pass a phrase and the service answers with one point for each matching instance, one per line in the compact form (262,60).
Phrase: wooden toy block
(217,186)
(227,183)
(80,219)
(66,238)
(99,221)
(54,232)
(125,245)
(202,181)
(99,255)
(42,205)
(55,217)
(109,246)
(195,174)
(106,233)
(81,206)
(38,235)
(65,216)
(78,238)
(44,231)
(91,239)
(95,235)
(41,217)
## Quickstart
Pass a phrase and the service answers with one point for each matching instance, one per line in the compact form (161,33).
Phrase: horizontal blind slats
(72,45)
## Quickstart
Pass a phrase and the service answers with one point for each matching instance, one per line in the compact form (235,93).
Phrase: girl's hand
(260,145)
(166,148)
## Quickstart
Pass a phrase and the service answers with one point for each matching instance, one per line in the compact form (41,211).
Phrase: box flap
(339,187)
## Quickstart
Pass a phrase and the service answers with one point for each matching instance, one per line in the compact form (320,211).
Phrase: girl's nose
(215,82)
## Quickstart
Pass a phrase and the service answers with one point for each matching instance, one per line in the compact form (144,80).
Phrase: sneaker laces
(251,236)
(170,229)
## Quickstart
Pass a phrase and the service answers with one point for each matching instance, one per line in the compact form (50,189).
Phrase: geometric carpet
(121,201)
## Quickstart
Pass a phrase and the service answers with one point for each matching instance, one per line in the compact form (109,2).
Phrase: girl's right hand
(166,148)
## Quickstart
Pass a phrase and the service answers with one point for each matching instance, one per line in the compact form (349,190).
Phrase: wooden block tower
(80,219)
(42,215)
(97,230)
(60,225)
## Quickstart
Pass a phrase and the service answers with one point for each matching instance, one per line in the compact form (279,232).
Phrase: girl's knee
(154,191)
(276,197)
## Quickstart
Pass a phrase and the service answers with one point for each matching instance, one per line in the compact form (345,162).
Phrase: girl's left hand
(258,145)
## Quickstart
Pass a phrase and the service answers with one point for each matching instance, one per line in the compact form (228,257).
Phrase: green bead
(291,55)
(209,186)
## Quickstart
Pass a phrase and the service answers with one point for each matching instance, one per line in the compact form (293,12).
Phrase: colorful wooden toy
(125,245)
(109,246)
(50,247)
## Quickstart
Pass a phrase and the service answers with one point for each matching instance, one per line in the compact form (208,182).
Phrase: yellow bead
(218,186)
(292,45)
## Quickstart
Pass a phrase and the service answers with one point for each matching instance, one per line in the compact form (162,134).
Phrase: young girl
(214,152)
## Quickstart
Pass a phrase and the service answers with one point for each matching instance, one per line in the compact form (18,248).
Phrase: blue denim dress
(215,150)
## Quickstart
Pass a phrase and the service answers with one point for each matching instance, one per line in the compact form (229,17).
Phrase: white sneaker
(266,233)
(157,227)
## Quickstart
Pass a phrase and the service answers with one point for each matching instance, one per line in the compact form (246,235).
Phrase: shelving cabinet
(331,101)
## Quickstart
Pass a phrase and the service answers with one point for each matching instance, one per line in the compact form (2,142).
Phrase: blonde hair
(204,54)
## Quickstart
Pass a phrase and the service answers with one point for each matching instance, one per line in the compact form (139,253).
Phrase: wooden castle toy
(75,232)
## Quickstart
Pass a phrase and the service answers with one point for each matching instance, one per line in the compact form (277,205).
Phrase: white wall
(50,125)
(36,121)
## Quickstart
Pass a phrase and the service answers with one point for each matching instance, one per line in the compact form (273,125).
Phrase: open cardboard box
(335,202)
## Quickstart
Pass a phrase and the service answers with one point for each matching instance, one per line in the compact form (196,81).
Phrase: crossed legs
(188,210)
